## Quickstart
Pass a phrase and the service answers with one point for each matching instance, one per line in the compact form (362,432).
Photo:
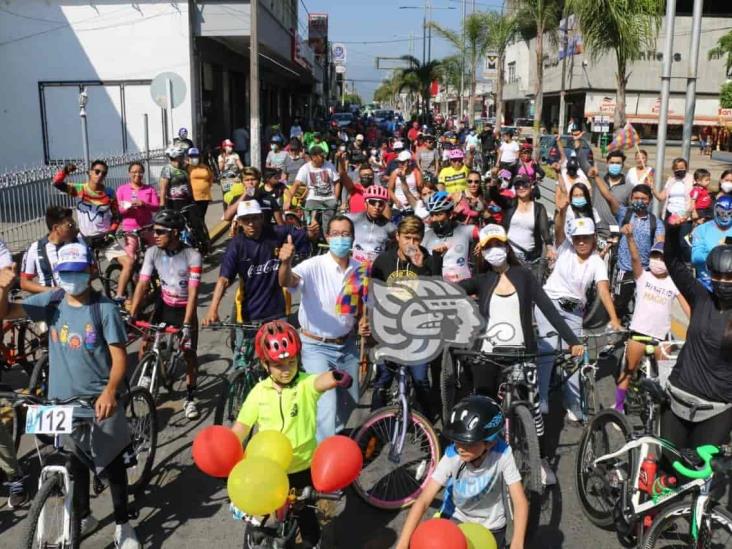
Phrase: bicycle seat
(653,389)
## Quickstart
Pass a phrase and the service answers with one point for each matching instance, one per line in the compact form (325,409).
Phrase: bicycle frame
(400,433)
(167,354)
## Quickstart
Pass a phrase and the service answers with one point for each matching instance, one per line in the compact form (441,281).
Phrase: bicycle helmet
(474,419)
(193,152)
(439,202)
(723,211)
(276,139)
(719,260)
(376,192)
(276,341)
(171,219)
(183,133)
(174,152)
(456,154)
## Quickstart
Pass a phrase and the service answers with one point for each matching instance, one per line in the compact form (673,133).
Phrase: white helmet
(174,151)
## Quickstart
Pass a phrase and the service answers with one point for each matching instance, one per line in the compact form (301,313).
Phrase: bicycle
(400,441)
(110,280)
(52,520)
(284,527)
(164,363)
(195,233)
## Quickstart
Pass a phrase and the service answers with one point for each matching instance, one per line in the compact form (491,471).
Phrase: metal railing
(25,194)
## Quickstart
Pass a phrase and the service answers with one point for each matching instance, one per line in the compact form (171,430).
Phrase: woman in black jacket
(700,385)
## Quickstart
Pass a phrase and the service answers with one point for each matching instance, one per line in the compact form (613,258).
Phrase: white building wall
(77,40)
(519,86)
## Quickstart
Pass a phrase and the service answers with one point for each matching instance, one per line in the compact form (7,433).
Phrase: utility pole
(563,89)
(462,63)
(690,105)
(429,31)
(668,47)
(254,122)
(83,100)
(424,35)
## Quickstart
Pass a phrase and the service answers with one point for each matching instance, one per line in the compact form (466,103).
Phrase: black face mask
(572,171)
(679,174)
(723,291)
(367,181)
(442,228)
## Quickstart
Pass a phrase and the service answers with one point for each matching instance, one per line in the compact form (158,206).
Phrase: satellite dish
(159,89)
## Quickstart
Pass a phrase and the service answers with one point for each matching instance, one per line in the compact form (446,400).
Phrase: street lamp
(83,100)
(426,39)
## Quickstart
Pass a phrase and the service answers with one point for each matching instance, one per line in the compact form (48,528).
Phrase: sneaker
(88,525)
(574,418)
(548,477)
(190,409)
(18,496)
(144,382)
(125,537)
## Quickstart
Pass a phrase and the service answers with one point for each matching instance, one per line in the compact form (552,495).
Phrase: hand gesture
(212,317)
(70,167)
(627,230)
(364,330)
(7,277)
(439,249)
(675,220)
(415,255)
(287,250)
(561,200)
(592,172)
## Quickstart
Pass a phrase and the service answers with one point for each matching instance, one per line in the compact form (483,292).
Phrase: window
(512,72)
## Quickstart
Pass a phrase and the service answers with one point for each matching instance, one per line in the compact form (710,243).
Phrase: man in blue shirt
(647,230)
(710,234)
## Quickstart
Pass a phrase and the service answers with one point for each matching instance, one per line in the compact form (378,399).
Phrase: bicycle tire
(52,486)
(236,387)
(145,366)
(30,346)
(586,472)
(524,443)
(110,280)
(139,398)
(368,442)
(720,517)
(38,382)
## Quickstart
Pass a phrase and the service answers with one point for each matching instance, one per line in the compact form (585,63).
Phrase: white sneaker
(144,382)
(190,409)
(548,477)
(125,537)
(88,525)
(544,407)
(574,418)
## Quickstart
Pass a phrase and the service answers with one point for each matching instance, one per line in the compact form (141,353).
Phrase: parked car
(344,119)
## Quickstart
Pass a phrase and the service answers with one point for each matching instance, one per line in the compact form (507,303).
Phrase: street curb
(218,231)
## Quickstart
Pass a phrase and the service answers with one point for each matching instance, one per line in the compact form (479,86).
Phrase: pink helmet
(376,192)
(456,154)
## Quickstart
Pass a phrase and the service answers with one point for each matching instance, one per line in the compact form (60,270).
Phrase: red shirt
(389,156)
(412,134)
(701,197)
(356,202)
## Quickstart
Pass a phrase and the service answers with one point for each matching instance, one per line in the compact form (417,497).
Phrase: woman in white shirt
(677,201)
(508,153)
(577,267)
(641,172)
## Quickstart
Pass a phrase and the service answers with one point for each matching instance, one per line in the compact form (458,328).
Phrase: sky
(386,29)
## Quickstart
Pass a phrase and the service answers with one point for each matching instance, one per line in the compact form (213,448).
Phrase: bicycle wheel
(145,368)
(143,424)
(46,518)
(672,528)
(110,281)
(236,387)
(447,384)
(387,483)
(38,383)
(525,445)
(30,346)
(598,485)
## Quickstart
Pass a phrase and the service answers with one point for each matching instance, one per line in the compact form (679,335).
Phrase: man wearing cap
(428,159)
(295,160)
(392,159)
(86,357)
(358,145)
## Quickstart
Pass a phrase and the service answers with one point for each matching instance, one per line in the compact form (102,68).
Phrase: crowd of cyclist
(408,201)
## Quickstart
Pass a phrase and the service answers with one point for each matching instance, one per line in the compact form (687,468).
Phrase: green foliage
(534,14)
(501,31)
(353,99)
(723,49)
(725,96)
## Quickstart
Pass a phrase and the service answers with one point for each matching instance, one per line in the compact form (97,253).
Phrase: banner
(490,65)
(318,32)
(338,53)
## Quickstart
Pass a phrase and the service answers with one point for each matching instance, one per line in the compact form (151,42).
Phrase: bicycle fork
(400,433)
(46,473)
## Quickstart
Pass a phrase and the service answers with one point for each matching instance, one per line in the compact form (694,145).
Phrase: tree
(352,99)
(451,67)
(418,77)
(501,32)
(537,17)
(722,49)
(725,96)
(476,43)
(624,27)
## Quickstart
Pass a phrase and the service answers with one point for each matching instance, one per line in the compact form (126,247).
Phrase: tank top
(504,325)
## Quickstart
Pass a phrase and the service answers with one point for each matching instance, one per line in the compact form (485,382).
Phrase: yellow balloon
(477,535)
(258,486)
(271,445)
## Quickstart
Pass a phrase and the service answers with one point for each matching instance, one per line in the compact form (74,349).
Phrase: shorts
(132,244)
(174,316)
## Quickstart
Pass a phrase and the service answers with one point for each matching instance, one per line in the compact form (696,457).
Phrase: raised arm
(635,258)
(604,191)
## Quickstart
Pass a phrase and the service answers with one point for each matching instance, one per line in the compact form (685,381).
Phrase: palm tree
(625,27)
(537,17)
(501,32)
(722,49)
(451,68)
(474,40)
(418,77)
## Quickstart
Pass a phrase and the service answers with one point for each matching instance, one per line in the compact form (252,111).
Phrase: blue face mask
(340,245)
(72,282)
(579,202)
(614,169)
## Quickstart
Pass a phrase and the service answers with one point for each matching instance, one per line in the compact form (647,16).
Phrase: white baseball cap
(581,226)
(492,232)
(404,156)
(73,257)
(248,207)
(398,145)
(359,137)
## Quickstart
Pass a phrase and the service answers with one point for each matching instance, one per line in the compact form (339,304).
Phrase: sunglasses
(473,180)
(99,172)
(162,232)
(522,185)
(375,202)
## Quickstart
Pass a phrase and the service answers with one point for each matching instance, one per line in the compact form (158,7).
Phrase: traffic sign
(159,89)
(339,54)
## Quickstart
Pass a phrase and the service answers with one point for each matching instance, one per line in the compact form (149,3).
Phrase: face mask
(273,147)
(340,245)
(658,267)
(727,186)
(614,169)
(638,206)
(679,174)
(367,181)
(441,228)
(495,255)
(73,283)
(579,202)
(228,149)
(572,171)
(195,161)
(723,291)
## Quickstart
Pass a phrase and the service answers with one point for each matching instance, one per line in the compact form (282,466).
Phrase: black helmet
(719,260)
(572,163)
(474,419)
(170,218)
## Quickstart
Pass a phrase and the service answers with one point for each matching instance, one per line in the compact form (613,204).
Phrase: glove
(186,340)
(343,379)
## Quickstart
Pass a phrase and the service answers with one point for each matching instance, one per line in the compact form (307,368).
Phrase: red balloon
(337,462)
(216,449)
(438,534)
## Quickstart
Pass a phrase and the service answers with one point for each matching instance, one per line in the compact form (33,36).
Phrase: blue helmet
(276,138)
(439,202)
(194,152)
(183,133)
(723,211)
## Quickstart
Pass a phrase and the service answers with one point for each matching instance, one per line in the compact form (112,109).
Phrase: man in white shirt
(327,331)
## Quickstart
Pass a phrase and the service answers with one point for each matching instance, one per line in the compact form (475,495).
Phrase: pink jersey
(135,217)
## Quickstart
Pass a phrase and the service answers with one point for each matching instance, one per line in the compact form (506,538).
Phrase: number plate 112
(49,420)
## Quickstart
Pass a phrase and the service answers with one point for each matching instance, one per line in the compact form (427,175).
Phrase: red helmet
(376,192)
(276,341)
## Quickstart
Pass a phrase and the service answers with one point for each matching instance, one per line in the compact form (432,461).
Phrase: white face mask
(658,267)
(495,256)
(195,161)
(73,283)
(228,149)
(727,186)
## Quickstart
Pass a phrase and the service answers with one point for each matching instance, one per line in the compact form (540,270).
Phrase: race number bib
(49,420)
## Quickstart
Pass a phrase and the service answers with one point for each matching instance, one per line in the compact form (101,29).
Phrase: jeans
(545,364)
(335,406)
(384,377)
(8,457)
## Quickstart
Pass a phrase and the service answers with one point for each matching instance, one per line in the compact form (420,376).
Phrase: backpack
(44,262)
(629,215)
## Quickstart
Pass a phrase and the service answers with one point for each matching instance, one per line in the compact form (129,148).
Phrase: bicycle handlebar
(707,453)
(23,398)
(162,327)
(229,325)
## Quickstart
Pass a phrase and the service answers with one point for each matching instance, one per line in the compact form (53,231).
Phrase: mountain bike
(195,233)
(282,528)
(164,363)
(400,451)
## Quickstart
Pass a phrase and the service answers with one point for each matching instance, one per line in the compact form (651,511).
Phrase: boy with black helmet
(470,472)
